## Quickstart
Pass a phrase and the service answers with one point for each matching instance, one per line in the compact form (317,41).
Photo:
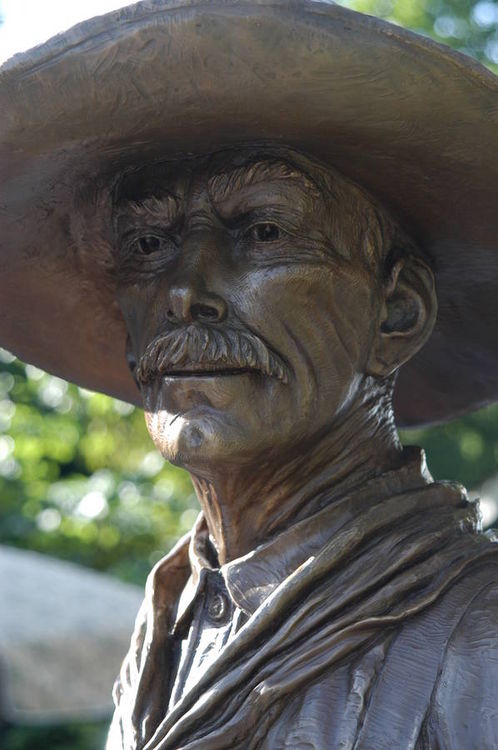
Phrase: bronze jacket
(371,625)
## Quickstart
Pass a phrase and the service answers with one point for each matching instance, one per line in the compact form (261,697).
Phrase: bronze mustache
(191,348)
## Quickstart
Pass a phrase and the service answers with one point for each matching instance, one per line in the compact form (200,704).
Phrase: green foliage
(468,26)
(80,479)
(465,450)
(69,737)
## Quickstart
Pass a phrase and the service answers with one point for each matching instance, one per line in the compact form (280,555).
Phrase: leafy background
(79,477)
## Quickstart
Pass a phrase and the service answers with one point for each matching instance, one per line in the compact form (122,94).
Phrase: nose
(190,299)
(187,304)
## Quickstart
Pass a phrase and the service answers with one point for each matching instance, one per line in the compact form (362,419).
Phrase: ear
(408,315)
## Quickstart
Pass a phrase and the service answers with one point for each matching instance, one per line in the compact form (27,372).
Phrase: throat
(245,506)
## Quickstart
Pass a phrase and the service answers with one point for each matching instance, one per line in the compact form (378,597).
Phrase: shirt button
(217,608)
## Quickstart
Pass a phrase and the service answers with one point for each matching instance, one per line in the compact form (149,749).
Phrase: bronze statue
(264,203)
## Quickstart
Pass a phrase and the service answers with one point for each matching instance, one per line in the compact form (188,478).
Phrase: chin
(198,438)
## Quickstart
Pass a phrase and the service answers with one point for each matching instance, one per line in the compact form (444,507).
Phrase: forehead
(221,174)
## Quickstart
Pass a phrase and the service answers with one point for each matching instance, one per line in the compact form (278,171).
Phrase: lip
(226,372)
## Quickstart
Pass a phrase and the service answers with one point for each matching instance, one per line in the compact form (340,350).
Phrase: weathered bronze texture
(267,199)
(269,303)
(410,120)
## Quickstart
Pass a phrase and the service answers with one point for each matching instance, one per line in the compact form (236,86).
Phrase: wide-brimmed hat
(412,121)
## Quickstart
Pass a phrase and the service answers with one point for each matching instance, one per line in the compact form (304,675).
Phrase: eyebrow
(163,209)
(220,185)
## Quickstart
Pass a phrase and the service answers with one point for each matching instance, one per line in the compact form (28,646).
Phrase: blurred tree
(79,477)
(69,737)
(467,449)
(467,25)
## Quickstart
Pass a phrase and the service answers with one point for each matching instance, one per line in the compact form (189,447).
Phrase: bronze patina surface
(269,304)
(410,120)
(265,198)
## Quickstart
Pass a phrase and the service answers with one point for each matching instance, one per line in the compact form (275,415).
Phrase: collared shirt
(217,601)
(209,623)
(357,627)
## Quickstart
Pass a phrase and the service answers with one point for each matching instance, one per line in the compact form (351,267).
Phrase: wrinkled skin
(214,251)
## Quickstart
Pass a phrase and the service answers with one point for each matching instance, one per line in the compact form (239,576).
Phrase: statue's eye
(265,232)
(148,244)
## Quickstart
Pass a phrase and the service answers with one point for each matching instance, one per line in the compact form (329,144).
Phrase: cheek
(321,318)
(344,317)
(138,305)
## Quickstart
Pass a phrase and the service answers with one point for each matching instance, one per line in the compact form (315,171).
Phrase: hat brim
(413,122)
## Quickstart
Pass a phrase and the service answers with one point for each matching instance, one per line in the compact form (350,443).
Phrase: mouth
(209,372)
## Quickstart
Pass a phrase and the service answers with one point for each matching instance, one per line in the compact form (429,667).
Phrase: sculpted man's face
(249,322)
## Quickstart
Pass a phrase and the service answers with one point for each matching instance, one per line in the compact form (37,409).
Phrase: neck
(245,506)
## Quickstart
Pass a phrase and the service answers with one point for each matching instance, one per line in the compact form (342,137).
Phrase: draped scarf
(394,547)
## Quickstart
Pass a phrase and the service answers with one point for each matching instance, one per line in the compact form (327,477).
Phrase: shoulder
(464,714)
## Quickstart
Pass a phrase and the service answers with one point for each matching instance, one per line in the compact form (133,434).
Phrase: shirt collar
(252,578)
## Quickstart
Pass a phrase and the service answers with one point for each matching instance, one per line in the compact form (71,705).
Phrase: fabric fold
(384,562)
